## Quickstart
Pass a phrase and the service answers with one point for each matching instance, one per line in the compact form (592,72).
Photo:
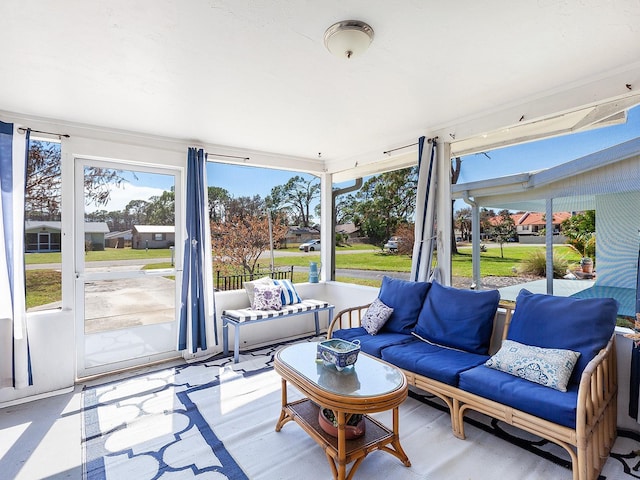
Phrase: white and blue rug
(216,420)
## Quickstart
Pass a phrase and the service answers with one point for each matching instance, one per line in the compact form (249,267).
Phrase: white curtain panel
(14,352)
(425,212)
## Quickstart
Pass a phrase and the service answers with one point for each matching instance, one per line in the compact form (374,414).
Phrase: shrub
(536,264)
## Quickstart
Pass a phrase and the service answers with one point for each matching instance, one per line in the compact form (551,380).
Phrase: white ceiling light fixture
(348,38)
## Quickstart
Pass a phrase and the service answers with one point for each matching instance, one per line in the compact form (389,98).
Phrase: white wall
(341,295)
(51,343)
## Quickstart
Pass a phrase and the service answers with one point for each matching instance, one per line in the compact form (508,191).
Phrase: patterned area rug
(215,420)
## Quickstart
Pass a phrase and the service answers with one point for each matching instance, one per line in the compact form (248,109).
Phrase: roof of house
(537,218)
(348,228)
(295,230)
(154,228)
(126,234)
(89,227)
(497,219)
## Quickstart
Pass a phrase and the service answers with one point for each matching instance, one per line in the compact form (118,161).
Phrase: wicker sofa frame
(588,444)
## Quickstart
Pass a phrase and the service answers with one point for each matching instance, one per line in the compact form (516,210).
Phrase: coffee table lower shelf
(376,437)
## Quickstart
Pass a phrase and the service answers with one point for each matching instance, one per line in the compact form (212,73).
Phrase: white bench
(247,316)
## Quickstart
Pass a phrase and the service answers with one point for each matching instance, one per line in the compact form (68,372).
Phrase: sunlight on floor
(10,436)
(236,391)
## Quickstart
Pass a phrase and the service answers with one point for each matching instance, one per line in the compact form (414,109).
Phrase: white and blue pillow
(289,295)
(267,297)
(377,315)
(551,367)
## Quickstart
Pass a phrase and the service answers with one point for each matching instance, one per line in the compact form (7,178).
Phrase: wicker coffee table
(371,385)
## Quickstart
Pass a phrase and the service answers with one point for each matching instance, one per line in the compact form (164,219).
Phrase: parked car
(310,246)
(392,244)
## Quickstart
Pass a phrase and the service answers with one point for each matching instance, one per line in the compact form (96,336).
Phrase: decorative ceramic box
(339,353)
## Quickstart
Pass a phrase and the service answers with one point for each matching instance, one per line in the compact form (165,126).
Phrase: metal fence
(236,282)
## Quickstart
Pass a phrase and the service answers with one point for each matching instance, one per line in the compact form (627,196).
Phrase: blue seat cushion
(433,361)
(544,402)
(458,318)
(372,344)
(406,299)
(583,325)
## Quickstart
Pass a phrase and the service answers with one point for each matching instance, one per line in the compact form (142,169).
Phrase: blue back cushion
(580,324)
(457,318)
(406,299)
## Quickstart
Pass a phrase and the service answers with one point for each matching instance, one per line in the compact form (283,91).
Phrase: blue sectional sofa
(553,374)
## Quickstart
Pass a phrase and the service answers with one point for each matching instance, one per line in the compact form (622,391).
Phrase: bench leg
(317,320)
(225,337)
(236,344)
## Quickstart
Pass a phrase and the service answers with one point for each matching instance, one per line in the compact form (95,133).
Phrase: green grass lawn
(97,256)
(43,286)
(358,261)
(490,261)
(491,264)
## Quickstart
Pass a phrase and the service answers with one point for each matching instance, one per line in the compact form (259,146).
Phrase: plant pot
(325,419)
(587,265)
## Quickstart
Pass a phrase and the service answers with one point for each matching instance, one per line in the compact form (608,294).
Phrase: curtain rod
(228,156)
(399,148)
(24,130)
(431,140)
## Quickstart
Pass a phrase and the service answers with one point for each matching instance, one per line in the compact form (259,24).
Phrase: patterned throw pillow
(289,295)
(377,315)
(250,286)
(267,297)
(550,367)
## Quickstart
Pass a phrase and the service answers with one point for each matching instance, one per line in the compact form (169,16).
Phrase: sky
(250,181)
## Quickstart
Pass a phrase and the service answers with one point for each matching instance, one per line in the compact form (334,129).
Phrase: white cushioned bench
(247,316)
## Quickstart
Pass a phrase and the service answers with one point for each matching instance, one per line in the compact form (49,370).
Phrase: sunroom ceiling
(256,75)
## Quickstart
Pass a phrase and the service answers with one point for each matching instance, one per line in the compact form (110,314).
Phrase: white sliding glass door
(126,250)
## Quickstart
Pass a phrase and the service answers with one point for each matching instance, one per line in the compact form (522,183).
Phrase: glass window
(42,213)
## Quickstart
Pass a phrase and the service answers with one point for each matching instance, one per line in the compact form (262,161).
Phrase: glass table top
(367,378)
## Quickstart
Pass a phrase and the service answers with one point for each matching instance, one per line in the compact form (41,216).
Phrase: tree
(218,200)
(406,232)
(238,242)
(245,207)
(161,209)
(44,182)
(345,209)
(503,228)
(580,232)
(462,221)
(136,213)
(384,202)
(293,199)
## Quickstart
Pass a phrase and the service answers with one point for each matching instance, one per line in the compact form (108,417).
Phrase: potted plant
(587,242)
(587,265)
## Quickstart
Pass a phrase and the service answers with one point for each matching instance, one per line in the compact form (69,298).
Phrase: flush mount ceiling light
(348,38)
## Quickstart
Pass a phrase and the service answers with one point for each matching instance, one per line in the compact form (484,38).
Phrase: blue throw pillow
(580,324)
(406,299)
(289,294)
(456,318)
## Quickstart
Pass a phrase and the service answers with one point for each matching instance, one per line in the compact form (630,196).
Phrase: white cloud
(121,196)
